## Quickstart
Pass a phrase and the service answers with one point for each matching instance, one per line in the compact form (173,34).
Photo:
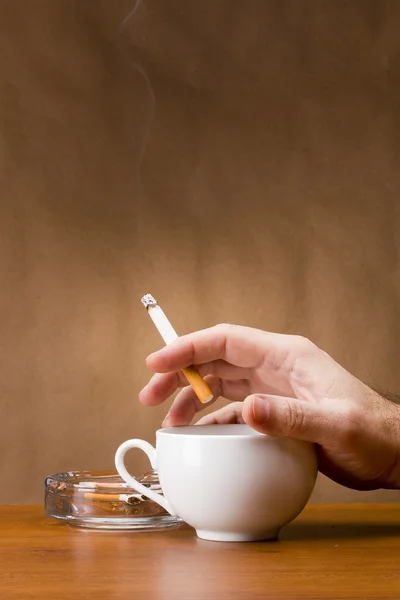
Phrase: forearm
(389,396)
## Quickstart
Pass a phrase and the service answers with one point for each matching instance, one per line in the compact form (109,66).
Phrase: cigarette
(169,335)
(112,497)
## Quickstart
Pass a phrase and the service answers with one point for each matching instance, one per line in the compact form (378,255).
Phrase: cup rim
(217,430)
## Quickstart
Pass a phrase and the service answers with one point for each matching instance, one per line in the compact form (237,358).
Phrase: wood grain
(329,552)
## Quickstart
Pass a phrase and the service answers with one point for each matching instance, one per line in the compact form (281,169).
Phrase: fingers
(225,416)
(289,417)
(163,385)
(240,346)
(160,387)
(186,404)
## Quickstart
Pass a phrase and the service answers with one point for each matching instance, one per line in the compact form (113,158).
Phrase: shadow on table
(314,531)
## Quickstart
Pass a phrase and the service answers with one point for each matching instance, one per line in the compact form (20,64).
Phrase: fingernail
(260,409)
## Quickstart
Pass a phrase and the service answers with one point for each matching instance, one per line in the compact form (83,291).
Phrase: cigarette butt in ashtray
(129,499)
(169,335)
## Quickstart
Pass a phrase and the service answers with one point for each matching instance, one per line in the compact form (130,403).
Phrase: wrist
(393,424)
(383,415)
(395,478)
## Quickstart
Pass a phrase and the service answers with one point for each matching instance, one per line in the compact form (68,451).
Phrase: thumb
(286,417)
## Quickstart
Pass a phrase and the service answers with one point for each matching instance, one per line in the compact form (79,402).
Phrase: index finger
(240,346)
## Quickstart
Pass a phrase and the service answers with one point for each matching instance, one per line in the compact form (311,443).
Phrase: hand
(284,385)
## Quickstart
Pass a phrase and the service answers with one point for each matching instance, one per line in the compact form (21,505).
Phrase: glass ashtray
(102,500)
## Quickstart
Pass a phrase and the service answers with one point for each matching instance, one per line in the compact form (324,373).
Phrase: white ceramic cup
(227,481)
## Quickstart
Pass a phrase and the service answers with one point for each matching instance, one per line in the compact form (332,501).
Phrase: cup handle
(134,483)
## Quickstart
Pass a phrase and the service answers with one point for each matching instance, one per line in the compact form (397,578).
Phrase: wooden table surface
(335,551)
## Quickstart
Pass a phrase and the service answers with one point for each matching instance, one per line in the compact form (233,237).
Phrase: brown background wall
(267,195)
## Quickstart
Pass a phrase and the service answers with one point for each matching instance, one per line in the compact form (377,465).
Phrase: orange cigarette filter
(169,335)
